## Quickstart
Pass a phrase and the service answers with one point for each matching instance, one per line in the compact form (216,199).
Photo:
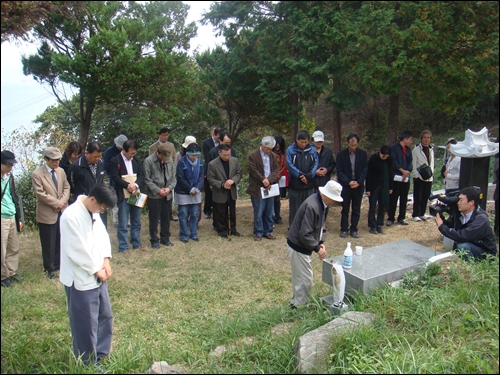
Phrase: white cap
(318,136)
(332,190)
(188,140)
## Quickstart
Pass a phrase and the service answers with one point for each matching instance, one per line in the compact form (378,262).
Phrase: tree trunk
(337,131)
(393,126)
(295,108)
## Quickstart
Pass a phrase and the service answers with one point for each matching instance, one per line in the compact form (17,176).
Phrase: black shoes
(224,237)
(236,234)
(354,234)
(6,282)
(343,234)
(373,231)
(380,230)
(185,241)
(155,245)
(50,275)
(208,216)
(167,243)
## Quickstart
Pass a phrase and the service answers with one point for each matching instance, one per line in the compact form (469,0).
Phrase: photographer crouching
(469,228)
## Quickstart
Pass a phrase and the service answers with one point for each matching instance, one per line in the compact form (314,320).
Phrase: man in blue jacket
(352,167)
(302,162)
(471,229)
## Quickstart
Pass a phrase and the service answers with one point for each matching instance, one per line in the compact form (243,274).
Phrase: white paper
(282,182)
(274,191)
(399,178)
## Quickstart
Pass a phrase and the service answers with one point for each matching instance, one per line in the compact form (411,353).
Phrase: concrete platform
(380,265)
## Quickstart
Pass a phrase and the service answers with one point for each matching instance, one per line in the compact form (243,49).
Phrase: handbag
(425,171)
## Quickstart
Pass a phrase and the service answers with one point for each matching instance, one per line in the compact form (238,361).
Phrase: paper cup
(359,250)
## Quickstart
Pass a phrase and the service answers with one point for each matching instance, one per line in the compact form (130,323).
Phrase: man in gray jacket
(160,180)
(306,235)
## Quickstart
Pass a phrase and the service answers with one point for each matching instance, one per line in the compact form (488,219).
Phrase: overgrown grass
(179,304)
(444,322)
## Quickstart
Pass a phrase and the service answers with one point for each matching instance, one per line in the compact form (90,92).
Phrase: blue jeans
(262,216)
(124,210)
(471,250)
(184,211)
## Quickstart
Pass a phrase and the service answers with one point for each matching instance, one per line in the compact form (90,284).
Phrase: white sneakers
(424,218)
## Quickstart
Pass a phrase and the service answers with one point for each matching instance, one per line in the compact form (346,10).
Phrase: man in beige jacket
(52,194)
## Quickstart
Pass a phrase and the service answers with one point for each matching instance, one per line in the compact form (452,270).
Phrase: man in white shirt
(85,268)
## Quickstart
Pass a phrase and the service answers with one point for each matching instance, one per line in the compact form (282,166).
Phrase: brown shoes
(257,238)
(269,237)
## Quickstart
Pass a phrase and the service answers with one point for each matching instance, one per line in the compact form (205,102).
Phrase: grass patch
(179,304)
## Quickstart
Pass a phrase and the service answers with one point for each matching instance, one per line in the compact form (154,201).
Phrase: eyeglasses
(103,209)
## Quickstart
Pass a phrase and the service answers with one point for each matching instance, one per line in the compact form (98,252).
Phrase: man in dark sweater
(306,235)
(471,229)
(326,161)
(402,166)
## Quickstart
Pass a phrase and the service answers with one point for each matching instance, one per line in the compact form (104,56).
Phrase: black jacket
(399,160)
(476,231)
(81,179)
(13,193)
(118,169)
(344,175)
(376,172)
(326,160)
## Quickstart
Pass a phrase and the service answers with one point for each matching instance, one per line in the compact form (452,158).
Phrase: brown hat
(52,153)
(164,150)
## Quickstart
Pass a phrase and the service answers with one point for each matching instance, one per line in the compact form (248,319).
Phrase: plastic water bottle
(348,256)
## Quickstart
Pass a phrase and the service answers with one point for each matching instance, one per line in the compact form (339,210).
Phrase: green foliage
(123,54)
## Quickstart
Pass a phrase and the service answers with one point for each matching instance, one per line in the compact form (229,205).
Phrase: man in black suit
(207,145)
(352,167)
(126,163)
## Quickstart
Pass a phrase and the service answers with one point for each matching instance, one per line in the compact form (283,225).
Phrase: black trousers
(159,209)
(421,193)
(207,207)
(50,239)
(221,216)
(399,191)
(376,207)
(351,197)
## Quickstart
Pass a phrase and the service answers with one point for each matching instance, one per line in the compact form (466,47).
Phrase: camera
(447,202)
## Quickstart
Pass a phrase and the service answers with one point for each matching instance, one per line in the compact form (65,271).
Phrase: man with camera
(470,228)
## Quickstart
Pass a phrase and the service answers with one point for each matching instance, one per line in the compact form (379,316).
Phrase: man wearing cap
(126,163)
(326,161)
(263,172)
(163,135)
(86,172)
(10,222)
(160,180)
(109,154)
(52,194)
(306,235)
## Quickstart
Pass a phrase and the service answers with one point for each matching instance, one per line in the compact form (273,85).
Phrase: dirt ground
(424,233)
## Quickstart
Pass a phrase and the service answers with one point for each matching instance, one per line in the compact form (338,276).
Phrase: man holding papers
(128,174)
(262,185)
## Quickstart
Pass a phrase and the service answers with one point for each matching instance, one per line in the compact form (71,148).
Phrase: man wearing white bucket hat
(306,235)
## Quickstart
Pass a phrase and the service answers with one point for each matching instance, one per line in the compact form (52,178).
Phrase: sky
(23,99)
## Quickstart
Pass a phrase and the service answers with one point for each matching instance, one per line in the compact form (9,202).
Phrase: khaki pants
(10,247)
(302,277)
